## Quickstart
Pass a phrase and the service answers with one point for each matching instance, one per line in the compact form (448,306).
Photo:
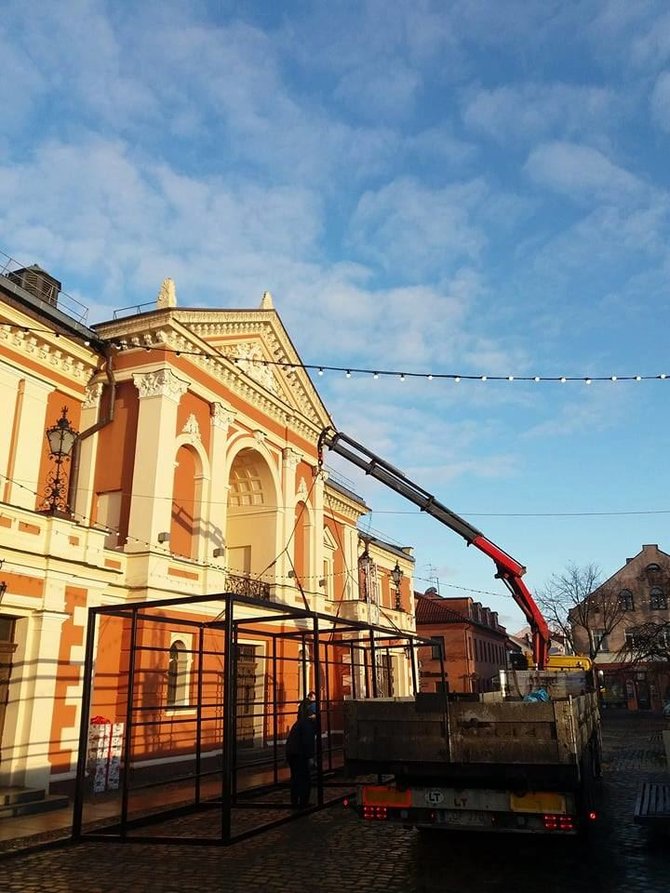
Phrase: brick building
(474,644)
(642,588)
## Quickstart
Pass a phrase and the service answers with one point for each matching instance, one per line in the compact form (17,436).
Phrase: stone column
(30,428)
(153,477)
(9,388)
(29,762)
(83,497)
(217,498)
(286,514)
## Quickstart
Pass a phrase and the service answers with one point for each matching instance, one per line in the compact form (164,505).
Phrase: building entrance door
(7,649)
(246,694)
(643,694)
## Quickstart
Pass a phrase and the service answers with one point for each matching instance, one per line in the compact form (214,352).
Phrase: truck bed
(407,736)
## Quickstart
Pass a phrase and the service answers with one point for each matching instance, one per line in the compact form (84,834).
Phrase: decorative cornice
(184,331)
(62,360)
(161,383)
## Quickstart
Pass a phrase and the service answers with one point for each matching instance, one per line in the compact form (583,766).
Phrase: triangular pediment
(257,356)
(259,346)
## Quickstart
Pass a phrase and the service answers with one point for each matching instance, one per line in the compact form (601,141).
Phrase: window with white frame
(178,675)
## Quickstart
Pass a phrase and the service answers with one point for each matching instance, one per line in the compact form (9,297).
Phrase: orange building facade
(195,471)
(472,642)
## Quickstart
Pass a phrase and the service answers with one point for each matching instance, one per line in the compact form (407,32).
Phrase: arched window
(657,599)
(177,681)
(626,600)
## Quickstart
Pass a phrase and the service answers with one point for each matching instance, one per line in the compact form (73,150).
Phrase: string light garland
(351,371)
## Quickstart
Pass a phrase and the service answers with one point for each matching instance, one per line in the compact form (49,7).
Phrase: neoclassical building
(194,471)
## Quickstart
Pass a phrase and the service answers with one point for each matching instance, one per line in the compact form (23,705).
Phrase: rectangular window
(600,642)
(437,647)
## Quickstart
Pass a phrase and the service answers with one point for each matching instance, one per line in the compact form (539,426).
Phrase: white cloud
(583,173)
(416,231)
(652,48)
(375,91)
(525,112)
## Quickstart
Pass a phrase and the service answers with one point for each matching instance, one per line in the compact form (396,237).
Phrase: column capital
(93,394)
(291,457)
(222,417)
(160,383)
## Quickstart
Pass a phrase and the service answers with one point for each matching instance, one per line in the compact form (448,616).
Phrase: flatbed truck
(502,761)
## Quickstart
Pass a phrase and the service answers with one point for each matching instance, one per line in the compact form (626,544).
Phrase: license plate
(463,817)
(538,801)
(385,796)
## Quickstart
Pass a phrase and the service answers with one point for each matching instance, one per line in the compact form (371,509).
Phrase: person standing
(300,747)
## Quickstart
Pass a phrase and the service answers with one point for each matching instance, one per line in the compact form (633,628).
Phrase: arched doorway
(253,515)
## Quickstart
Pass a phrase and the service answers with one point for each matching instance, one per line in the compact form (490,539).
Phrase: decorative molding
(186,331)
(302,490)
(222,416)
(249,358)
(93,394)
(62,361)
(161,383)
(291,457)
(192,428)
(167,296)
(260,436)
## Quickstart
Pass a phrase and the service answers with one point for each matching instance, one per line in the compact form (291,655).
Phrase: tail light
(375,813)
(559,823)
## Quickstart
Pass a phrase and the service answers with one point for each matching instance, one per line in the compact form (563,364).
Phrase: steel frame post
(127,743)
(82,753)
(228,721)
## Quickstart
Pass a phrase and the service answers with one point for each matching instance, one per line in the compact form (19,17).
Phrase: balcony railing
(240,585)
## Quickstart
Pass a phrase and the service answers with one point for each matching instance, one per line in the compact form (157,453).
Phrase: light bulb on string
(348,373)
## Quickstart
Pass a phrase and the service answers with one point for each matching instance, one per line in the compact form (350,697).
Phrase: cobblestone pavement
(334,852)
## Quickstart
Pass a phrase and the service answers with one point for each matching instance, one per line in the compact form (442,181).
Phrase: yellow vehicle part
(568,662)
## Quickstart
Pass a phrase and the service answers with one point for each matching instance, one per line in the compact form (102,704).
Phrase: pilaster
(153,477)
(26,453)
(221,420)
(90,410)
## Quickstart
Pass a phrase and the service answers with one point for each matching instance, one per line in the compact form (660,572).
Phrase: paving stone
(334,852)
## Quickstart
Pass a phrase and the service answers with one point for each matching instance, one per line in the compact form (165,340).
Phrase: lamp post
(61,438)
(396,576)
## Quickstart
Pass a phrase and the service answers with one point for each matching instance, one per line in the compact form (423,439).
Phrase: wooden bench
(653,805)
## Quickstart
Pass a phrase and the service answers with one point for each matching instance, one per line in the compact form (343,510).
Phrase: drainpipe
(107,418)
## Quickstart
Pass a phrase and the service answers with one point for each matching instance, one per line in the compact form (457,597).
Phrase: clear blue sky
(463,187)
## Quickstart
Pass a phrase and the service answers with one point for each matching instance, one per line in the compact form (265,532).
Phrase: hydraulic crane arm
(507,569)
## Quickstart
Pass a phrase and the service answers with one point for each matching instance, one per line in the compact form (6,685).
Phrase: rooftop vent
(38,283)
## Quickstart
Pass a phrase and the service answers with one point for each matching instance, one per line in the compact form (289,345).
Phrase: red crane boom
(507,568)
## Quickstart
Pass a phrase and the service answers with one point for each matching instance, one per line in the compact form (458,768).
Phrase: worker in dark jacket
(300,747)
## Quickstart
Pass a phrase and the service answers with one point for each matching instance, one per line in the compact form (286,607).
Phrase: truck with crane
(524,758)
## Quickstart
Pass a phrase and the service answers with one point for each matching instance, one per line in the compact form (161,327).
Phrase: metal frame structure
(250,796)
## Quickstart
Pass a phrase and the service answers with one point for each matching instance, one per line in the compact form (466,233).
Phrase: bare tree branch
(576,600)
(647,642)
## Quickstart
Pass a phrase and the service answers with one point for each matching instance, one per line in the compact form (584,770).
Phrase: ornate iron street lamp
(396,576)
(61,438)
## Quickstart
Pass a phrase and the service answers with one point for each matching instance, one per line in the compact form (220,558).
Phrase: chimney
(37,282)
